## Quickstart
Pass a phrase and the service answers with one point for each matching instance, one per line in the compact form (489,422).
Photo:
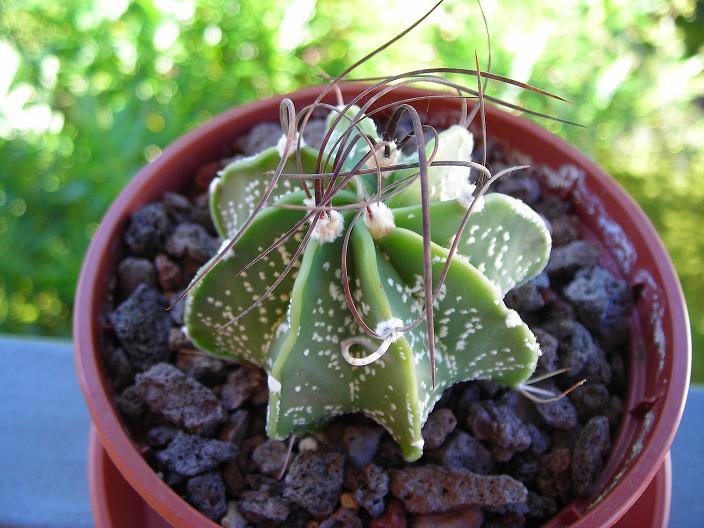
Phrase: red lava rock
(147,230)
(189,455)
(603,303)
(135,271)
(169,273)
(463,450)
(207,493)
(206,173)
(236,428)
(240,385)
(179,400)
(435,489)
(499,425)
(314,482)
(233,478)
(393,517)
(263,509)
(570,257)
(361,443)
(191,240)
(342,518)
(271,457)
(371,485)
(556,461)
(470,518)
(142,325)
(592,445)
(439,424)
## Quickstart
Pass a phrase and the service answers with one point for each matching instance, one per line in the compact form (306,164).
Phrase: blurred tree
(90,91)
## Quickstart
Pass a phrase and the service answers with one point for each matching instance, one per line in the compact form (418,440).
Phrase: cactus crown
(363,279)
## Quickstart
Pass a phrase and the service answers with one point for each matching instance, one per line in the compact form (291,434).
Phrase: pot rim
(92,287)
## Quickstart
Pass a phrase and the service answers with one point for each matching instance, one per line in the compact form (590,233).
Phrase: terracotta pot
(659,362)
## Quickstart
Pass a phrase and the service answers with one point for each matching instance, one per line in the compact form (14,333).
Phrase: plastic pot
(659,359)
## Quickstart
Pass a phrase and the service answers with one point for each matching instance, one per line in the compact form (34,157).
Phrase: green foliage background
(92,90)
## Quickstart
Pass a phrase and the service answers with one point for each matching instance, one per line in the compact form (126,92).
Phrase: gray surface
(44,429)
(43,437)
(688,465)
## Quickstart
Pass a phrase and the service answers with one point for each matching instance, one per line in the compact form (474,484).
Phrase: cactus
(308,333)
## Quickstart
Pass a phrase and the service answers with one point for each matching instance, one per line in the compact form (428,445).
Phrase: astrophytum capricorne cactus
(320,361)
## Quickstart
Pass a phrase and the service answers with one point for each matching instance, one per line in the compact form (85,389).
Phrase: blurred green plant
(90,91)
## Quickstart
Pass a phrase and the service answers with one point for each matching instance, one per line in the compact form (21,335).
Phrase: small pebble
(314,482)
(361,443)
(207,493)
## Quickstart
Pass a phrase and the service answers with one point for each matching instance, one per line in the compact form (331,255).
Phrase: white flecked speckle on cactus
(304,333)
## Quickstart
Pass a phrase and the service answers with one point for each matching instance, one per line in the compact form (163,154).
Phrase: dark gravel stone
(263,509)
(135,271)
(512,520)
(314,482)
(563,179)
(361,443)
(161,435)
(131,403)
(200,366)
(342,518)
(592,445)
(521,186)
(552,207)
(120,367)
(271,457)
(469,393)
(179,400)
(233,518)
(570,257)
(469,518)
(147,230)
(579,353)
(540,442)
(614,411)
(435,489)
(240,386)
(523,467)
(439,424)
(603,304)
(168,272)
(178,206)
(389,454)
(262,136)
(371,485)
(190,455)
(525,298)
(179,340)
(314,133)
(540,506)
(191,240)
(547,362)
(465,451)
(499,425)
(590,399)
(559,413)
(142,325)
(565,229)
(558,487)
(207,494)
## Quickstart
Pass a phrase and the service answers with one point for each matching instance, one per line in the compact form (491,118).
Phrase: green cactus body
(296,335)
